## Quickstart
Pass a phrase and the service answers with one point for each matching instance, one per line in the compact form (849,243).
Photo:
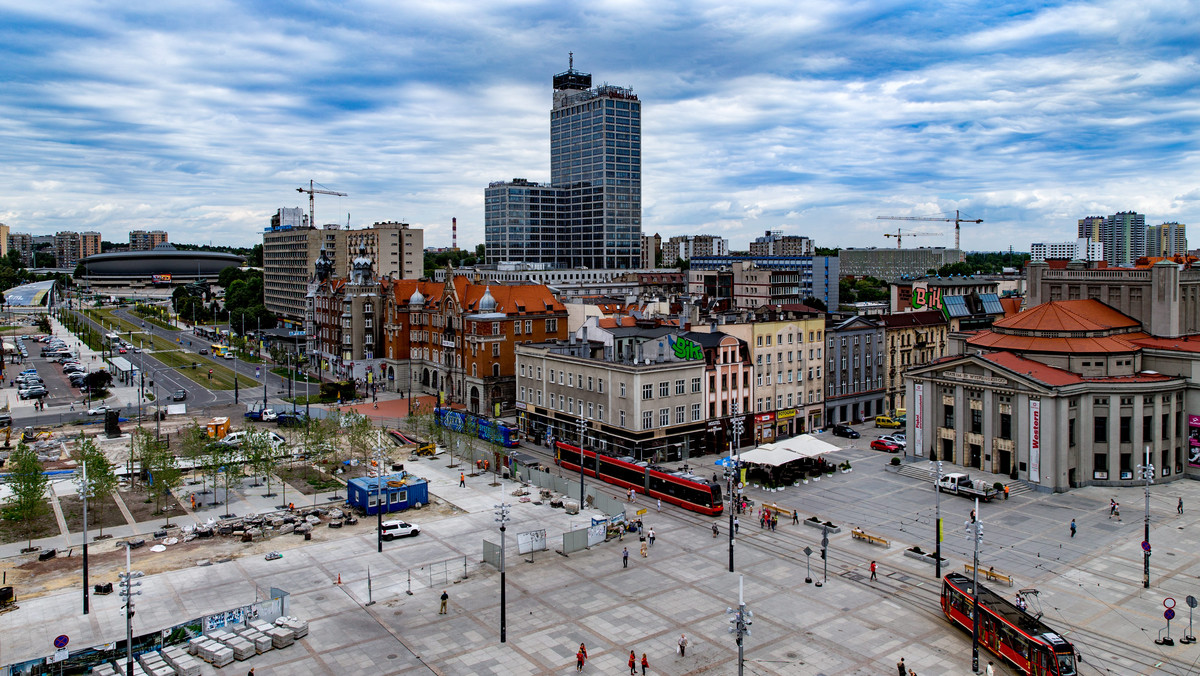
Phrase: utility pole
(1147,474)
(84,494)
(582,424)
(734,441)
(379,457)
(975,532)
(936,470)
(502,519)
(739,624)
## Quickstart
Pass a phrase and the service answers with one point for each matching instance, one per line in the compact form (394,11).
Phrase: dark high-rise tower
(595,185)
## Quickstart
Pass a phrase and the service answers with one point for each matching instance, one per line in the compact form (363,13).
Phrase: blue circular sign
(61,641)
(1169,613)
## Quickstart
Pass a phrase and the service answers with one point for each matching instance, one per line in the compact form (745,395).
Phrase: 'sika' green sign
(686,349)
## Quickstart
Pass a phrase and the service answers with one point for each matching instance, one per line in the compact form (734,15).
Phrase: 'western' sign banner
(1035,440)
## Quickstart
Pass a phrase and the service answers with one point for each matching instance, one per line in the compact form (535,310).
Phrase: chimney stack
(454,234)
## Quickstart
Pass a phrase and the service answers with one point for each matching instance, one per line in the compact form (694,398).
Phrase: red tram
(1006,630)
(691,493)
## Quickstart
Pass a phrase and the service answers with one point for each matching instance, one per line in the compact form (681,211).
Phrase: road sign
(809,552)
(1145,546)
(61,641)
(1169,614)
(1191,601)
(1168,602)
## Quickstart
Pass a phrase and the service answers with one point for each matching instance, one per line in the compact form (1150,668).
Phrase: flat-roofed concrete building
(894,264)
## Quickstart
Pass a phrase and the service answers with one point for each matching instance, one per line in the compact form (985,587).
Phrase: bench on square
(860,534)
(990,574)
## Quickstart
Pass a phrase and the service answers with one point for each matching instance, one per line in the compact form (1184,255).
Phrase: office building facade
(590,214)
(894,264)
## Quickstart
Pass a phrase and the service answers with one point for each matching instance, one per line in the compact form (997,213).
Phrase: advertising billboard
(161,279)
(1035,440)
(1194,440)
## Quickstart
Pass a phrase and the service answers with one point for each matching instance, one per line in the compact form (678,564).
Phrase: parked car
(33,392)
(290,420)
(398,529)
(99,410)
(887,421)
(897,439)
(269,415)
(887,446)
(845,431)
(236,439)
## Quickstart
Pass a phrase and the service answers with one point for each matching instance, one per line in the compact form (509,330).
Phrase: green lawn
(282,372)
(124,326)
(182,362)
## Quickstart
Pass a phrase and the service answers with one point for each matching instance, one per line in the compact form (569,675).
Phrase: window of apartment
(647,420)
(1071,432)
(768,341)
(695,385)
(760,341)
(664,389)
(570,380)
(1147,427)
(551,326)
(695,412)
(539,397)
(570,403)
(517,327)
(1100,429)
(680,386)
(680,415)
(521,393)
(664,417)
(600,385)
(647,391)
(495,349)
(779,376)
(778,402)
(768,360)
(621,418)
(589,383)
(758,360)
(1126,429)
(495,328)
(475,370)
(591,409)
(1166,426)
(622,390)
(522,370)
(768,378)
(528,326)
(552,381)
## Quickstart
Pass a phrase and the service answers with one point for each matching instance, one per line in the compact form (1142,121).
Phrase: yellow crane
(313,190)
(900,234)
(956,220)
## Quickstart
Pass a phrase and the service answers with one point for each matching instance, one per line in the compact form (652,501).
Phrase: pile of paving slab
(218,648)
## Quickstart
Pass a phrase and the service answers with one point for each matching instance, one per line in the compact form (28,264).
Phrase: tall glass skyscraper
(590,215)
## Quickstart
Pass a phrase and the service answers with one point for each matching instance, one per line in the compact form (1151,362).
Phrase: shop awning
(783,452)
(806,446)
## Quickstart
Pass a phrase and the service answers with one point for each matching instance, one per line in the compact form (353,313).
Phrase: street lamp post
(582,424)
(735,441)
(975,532)
(379,457)
(502,519)
(127,584)
(1147,474)
(936,470)
(739,624)
(84,494)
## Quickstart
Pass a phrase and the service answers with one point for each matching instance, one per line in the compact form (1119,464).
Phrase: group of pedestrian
(1114,509)
(767,519)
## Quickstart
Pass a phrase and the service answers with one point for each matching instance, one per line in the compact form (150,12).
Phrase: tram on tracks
(1004,629)
(688,491)
(469,423)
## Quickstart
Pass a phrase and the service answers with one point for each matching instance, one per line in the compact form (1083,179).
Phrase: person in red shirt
(873,578)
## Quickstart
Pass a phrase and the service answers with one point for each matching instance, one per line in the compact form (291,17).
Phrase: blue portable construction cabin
(400,491)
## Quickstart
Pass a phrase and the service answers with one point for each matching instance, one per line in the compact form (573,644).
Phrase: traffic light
(822,553)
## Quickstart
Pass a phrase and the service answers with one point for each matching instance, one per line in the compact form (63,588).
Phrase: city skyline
(810,120)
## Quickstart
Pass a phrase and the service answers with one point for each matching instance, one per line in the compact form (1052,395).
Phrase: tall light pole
(735,441)
(975,532)
(739,624)
(502,519)
(84,493)
(936,471)
(582,424)
(1147,474)
(127,584)
(379,456)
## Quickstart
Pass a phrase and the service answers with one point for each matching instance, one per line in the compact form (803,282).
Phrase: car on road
(237,438)
(897,439)
(137,350)
(845,431)
(229,355)
(886,446)
(269,415)
(887,421)
(121,350)
(99,410)
(398,529)
(179,395)
(203,350)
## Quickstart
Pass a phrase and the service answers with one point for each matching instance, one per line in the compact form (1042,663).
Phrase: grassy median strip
(222,377)
(124,326)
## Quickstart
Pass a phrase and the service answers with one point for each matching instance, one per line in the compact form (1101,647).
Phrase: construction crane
(899,235)
(956,220)
(313,190)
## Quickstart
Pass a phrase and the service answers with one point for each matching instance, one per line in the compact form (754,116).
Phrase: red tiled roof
(514,299)
(1053,376)
(1083,344)
(1182,344)
(1011,305)
(1068,315)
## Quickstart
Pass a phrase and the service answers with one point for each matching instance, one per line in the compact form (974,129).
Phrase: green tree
(163,468)
(227,462)
(317,435)
(194,442)
(260,455)
(359,432)
(101,476)
(28,505)
(43,324)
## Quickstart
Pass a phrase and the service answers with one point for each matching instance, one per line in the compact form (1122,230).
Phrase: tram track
(923,596)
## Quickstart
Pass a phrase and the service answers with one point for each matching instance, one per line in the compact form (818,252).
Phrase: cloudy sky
(811,117)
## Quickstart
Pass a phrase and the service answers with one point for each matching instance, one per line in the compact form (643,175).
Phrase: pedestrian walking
(251,672)
(683,644)
(774,522)
(193,502)
(1112,507)
(736,525)
(1073,527)
(762,520)
(645,664)
(900,668)
(632,663)
(1117,512)
(445,599)
(873,578)
(795,517)
(660,504)
(625,558)
(462,479)
(990,670)
(580,656)
(583,652)
(644,550)
(1005,491)
(1179,507)
(716,530)
(651,536)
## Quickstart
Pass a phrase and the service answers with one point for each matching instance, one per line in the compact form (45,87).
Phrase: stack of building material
(262,642)
(259,625)
(193,645)
(104,669)
(242,649)
(154,664)
(183,663)
(214,653)
(298,626)
(281,637)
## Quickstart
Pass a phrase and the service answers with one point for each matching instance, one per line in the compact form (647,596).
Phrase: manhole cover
(392,656)
(792,655)
(319,598)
